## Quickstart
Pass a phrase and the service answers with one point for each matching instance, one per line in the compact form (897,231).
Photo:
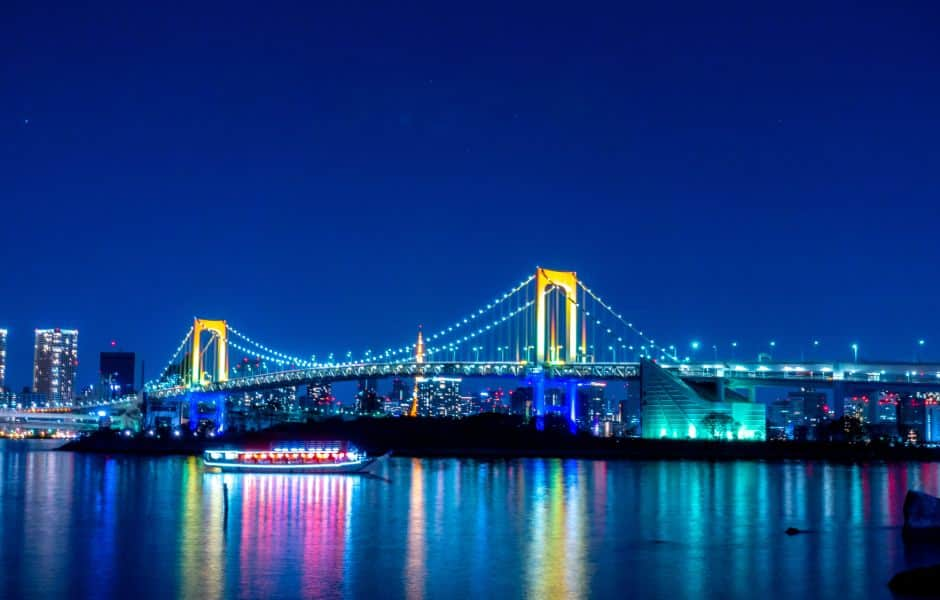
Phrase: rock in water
(792,531)
(921,516)
(924,581)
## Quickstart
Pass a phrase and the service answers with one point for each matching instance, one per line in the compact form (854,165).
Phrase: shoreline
(499,436)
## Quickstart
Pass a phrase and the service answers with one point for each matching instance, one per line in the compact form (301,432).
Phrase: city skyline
(712,199)
(817,349)
(425,300)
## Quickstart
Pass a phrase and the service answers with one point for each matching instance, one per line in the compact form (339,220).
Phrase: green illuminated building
(674,409)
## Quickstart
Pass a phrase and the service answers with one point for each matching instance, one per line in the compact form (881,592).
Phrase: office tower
(3,358)
(439,397)
(55,360)
(116,369)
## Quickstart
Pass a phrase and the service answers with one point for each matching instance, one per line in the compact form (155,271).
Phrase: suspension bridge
(550,327)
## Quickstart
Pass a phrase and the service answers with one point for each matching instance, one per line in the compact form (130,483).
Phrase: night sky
(325,176)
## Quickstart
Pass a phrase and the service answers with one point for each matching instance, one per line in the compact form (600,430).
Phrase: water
(76,525)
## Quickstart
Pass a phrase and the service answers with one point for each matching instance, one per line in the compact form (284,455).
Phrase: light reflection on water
(103,527)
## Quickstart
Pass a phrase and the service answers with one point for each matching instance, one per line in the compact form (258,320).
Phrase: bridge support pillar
(538,395)
(571,392)
(720,390)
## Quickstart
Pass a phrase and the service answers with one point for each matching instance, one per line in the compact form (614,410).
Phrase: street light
(734,346)
(855,351)
(715,348)
(613,353)
(695,346)
(920,347)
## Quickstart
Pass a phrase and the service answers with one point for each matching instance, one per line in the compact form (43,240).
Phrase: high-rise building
(887,410)
(3,358)
(117,370)
(592,407)
(780,419)
(319,399)
(932,418)
(809,410)
(398,402)
(439,397)
(55,360)
(485,401)
(912,417)
(856,407)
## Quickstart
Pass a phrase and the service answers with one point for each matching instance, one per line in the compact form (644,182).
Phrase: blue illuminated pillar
(219,412)
(572,396)
(193,410)
(538,400)
(538,395)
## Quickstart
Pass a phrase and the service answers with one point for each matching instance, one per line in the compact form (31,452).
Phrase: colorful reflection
(415,567)
(296,520)
(201,534)
(92,526)
(555,557)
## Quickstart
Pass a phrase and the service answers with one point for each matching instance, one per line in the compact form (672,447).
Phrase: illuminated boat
(292,457)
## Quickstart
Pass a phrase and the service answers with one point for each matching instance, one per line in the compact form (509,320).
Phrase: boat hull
(323,469)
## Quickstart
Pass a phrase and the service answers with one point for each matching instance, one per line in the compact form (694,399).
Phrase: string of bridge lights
(482,330)
(281,359)
(619,316)
(251,353)
(606,330)
(179,349)
(276,356)
(479,312)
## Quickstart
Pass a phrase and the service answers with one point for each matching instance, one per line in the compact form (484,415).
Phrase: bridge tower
(419,359)
(567,281)
(219,332)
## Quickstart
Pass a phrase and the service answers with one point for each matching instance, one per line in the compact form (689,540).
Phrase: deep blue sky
(328,175)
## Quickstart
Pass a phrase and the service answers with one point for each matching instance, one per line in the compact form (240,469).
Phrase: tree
(718,425)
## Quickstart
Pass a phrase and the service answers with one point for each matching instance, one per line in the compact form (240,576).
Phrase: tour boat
(292,457)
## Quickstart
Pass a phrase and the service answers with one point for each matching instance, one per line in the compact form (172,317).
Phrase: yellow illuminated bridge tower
(547,334)
(217,344)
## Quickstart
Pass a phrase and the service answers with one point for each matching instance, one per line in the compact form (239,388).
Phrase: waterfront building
(55,361)
(887,409)
(439,397)
(251,410)
(884,416)
(810,411)
(591,408)
(486,401)
(3,358)
(367,397)
(912,418)
(780,419)
(932,420)
(319,399)
(856,407)
(673,409)
(520,401)
(116,370)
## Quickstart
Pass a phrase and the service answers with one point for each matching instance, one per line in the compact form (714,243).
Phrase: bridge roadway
(19,419)
(736,374)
